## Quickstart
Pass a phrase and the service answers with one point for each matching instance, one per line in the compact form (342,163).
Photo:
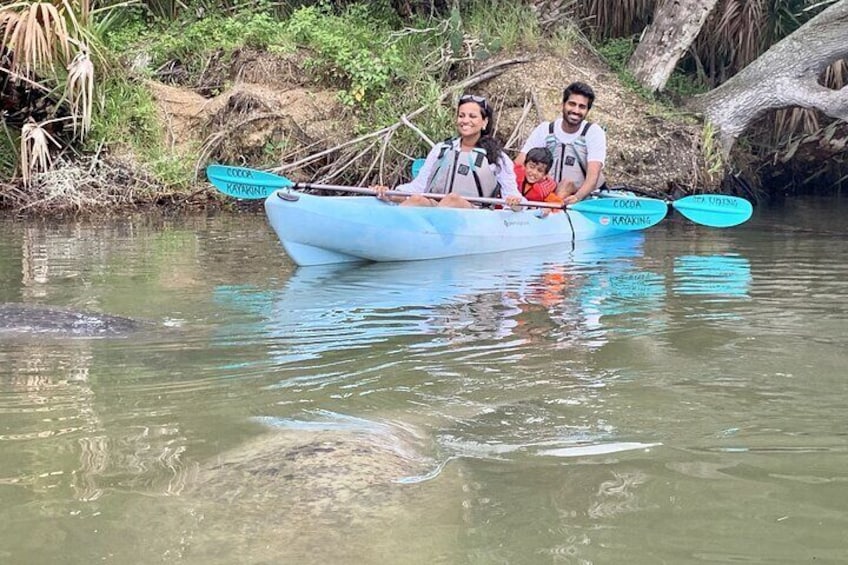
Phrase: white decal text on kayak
(626,203)
(632,221)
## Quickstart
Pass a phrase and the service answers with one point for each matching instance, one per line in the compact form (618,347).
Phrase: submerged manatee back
(310,495)
(19,318)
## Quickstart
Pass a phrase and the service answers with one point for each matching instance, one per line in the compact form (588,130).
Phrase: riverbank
(271,107)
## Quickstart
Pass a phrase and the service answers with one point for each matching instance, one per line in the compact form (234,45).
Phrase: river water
(672,396)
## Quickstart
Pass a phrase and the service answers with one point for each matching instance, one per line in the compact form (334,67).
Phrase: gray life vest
(570,159)
(466,174)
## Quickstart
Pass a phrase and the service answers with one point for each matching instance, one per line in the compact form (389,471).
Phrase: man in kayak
(579,147)
(470,165)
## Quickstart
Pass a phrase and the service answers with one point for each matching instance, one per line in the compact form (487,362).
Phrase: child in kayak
(533,179)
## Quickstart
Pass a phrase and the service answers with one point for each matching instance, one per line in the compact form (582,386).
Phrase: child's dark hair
(540,155)
(580,88)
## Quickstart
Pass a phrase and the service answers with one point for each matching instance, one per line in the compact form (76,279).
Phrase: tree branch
(787,75)
(387,132)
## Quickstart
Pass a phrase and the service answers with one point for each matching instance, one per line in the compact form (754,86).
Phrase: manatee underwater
(327,493)
(20,318)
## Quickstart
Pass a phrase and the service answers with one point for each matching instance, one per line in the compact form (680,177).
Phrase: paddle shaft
(432,195)
(620,213)
(627,213)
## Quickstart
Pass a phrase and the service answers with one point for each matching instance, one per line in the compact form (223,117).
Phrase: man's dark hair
(540,155)
(580,88)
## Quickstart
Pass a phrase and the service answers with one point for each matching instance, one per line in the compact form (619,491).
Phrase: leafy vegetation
(606,19)
(617,52)
(736,34)
(89,64)
(193,43)
(501,25)
(47,49)
(713,159)
(127,118)
(9,144)
(349,49)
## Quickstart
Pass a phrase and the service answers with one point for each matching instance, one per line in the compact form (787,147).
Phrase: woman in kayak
(471,165)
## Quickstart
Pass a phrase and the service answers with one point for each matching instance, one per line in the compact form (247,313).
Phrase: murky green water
(673,397)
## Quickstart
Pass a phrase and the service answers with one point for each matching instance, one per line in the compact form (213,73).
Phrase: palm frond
(616,18)
(739,31)
(80,91)
(36,36)
(836,75)
(48,43)
(35,149)
(751,34)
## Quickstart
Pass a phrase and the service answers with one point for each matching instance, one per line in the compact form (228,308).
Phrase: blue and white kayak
(320,230)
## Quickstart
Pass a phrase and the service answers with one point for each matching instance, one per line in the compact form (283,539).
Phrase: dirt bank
(648,146)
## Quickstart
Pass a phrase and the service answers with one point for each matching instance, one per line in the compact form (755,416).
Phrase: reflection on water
(682,385)
(477,316)
(471,302)
(716,275)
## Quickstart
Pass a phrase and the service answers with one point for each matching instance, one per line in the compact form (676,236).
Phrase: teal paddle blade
(714,210)
(416,167)
(634,213)
(241,182)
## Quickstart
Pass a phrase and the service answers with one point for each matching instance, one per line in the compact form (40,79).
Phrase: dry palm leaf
(36,35)
(35,149)
(80,90)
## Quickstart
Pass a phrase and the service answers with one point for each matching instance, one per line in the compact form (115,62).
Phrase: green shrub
(500,25)
(127,118)
(351,49)
(9,144)
(192,43)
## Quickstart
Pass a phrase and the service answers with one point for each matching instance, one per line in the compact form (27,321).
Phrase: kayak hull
(322,230)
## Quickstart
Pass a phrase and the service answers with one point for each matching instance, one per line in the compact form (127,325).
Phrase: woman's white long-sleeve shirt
(504,171)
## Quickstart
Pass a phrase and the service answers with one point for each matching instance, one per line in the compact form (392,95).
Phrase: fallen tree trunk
(787,75)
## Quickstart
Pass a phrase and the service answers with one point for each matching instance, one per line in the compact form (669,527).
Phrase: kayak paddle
(714,210)
(634,213)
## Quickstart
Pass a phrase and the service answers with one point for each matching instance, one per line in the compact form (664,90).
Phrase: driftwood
(91,182)
(531,102)
(351,152)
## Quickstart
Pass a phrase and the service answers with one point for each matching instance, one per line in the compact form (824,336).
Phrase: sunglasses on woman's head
(474,98)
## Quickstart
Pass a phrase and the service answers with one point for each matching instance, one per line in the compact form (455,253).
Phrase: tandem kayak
(324,230)
(321,230)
